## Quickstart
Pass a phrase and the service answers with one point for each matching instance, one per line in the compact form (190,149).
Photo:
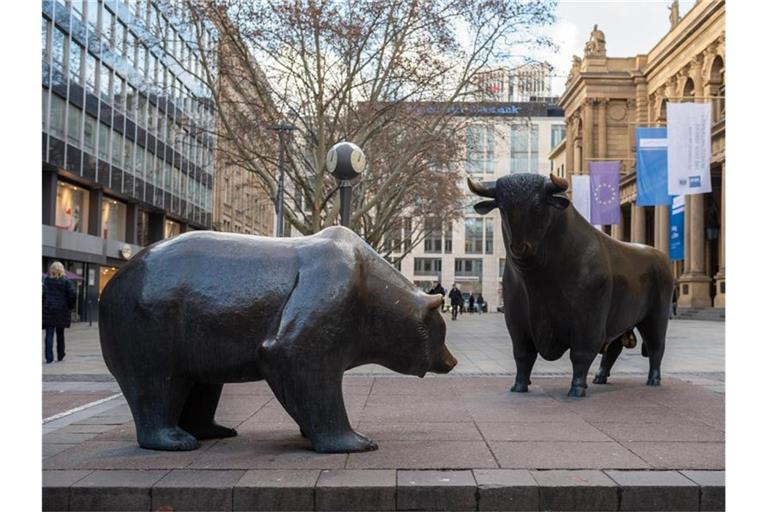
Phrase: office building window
(427,266)
(142,228)
(117,149)
(59,42)
(58,114)
(75,59)
(172,229)
(534,166)
(45,110)
(75,116)
(118,93)
(556,135)
(480,157)
(519,149)
(44,38)
(433,239)
(107,24)
(90,73)
(71,207)
(468,267)
(89,134)
(120,31)
(448,237)
(104,132)
(92,11)
(130,100)
(104,84)
(78,9)
(128,155)
(502,262)
(473,235)
(113,216)
(488,235)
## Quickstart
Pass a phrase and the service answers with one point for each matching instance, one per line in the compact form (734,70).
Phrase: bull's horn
(480,189)
(560,183)
(434,301)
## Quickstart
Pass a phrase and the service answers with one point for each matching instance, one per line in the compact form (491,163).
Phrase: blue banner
(652,166)
(677,229)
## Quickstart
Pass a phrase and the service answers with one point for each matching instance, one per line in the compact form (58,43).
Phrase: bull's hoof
(654,378)
(212,431)
(519,387)
(600,379)
(577,391)
(170,439)
(344,443)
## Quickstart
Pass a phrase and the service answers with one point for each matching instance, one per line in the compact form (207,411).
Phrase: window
(480,150)
(130,100)
(502,263)
(89,134)
(120,38)
(519,149)
(556,135)
(59,41)
(104,132)
(118,90)
(45,110)
(90,73)
(104,85)
(58,111)
(71,207)
(78,8)
(107,21)
(139,160)
(534,165)
(448,237)
(427,266)
(75,57)
(44,39)
(433,239)
(488,235)
(128,155)
(93,15)
(172,229)
(113,216)
(117,149)
(73,124)
(142,60)
(130,48)
(473,235)
(468,267)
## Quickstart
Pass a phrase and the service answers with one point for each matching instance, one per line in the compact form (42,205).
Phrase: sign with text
(689,135)
(677,229)
(652,166)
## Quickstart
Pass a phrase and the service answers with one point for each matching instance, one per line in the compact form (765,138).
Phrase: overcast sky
(630,27)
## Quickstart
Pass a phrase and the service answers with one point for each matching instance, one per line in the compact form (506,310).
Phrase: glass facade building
(127,144)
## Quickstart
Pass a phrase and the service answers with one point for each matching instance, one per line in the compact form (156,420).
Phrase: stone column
(617,230)
(694,281)
(570,138)
(720,276)
(637,234)
(602,128)
(661,233)
(587,131)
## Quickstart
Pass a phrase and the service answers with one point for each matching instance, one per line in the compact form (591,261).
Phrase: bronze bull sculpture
(187,315)
(567,285)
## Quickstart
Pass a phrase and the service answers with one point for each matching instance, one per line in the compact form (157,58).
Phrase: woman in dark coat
(58,300)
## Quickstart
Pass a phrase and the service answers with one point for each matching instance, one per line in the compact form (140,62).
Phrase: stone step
(382,489)
(710,314)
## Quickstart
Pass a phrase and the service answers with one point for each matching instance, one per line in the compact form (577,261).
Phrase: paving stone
(195,490)
(426,431)
(576,490)
(115,490)
(242,452)
(275,490)
(565,455)
(682,430)
(424,455)
(356,489)
(681,455)
(49,450)
(506,489)
(655,490)
(577,430)
(712,484)
(436,490)
(122,455)
(56,486)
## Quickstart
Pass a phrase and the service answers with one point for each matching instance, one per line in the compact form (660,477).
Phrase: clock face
(331,159)
(358,161)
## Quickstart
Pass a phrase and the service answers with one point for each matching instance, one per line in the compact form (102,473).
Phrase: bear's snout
(444,362)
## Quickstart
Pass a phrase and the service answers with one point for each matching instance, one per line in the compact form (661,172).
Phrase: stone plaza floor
(459,441)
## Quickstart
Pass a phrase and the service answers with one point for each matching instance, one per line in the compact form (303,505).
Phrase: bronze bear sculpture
(188,314)
(567,285)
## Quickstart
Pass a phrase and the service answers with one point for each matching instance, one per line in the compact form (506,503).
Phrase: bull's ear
(484,207)
(559,201)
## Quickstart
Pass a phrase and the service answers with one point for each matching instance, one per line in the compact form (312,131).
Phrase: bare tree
(384,74)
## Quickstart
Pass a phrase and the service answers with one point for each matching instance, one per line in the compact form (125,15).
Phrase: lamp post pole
(281,129)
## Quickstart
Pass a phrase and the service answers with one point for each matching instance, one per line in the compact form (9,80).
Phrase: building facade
(127,152)
(606,98)
(501,139)
(530,82)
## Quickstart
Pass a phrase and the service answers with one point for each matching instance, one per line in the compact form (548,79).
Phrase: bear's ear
(484,207)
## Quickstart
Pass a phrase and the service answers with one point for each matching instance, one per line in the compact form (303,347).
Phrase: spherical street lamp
(346,161)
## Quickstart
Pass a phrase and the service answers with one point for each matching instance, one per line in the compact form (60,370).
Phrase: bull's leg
(525,355)
(197,417)
(156,404)
(607,361)
(653,329)
(313,398)
(581,361)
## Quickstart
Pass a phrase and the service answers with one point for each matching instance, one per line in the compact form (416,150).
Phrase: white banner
(689,134)
(581,197)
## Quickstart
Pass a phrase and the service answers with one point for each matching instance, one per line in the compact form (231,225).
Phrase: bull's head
(528,204)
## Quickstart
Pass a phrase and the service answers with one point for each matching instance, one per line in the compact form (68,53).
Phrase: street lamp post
(346,161)
(281,129)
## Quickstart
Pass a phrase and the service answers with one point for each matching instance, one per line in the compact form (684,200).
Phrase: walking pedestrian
(437,289)
(471,303)
(456,301)
(58,300)
(480,303)
(674,302)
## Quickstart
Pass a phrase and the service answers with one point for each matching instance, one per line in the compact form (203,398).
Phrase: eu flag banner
(652,166)
(676,229)
(580,195)
(604,186)
(689,135)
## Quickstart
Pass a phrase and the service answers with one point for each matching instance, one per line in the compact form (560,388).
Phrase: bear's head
(408,335)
